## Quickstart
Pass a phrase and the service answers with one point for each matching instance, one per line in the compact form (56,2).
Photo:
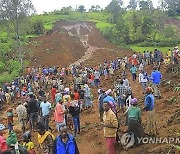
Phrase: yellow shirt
(169,53)
(110,118)
(66,99)
(29,145)
(167,61)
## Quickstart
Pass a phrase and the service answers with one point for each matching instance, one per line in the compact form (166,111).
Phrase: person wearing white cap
(3,145)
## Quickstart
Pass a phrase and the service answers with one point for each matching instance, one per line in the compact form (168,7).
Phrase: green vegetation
(141,49)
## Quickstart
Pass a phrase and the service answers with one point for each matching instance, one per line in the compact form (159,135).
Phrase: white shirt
(142,78)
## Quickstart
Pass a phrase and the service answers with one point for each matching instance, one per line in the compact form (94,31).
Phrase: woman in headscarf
(134,120)
(13,146)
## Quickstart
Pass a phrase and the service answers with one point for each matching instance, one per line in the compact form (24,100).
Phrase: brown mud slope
(54,50)
(68,42)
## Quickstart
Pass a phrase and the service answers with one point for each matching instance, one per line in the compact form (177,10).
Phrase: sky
(51,5)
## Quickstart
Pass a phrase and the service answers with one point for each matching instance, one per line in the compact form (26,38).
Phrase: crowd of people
(57,94)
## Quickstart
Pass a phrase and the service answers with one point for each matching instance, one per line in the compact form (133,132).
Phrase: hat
(108,91)
(134,101)
(99,91)
(12,139)
(176,47)
(2,127)
(149,90)
(66,89)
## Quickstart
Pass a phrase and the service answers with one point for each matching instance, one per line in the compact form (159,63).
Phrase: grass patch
(141,49)
(102,25)
(50,19)
(178,17)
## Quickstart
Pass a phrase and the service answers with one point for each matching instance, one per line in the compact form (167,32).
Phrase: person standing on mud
(101,97)
(59,114)
(74,110)
(134,120)
(133,70)
(22,115)
(156,79)
(149,107)
(143,80)
(110,124)
(45,109)
(33,111)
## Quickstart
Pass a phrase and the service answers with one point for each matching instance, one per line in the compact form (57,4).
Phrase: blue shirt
(133,70)
(156,77)
(58,97)
(45,108)
(149,102)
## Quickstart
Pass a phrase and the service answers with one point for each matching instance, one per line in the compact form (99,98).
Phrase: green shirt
(134,113)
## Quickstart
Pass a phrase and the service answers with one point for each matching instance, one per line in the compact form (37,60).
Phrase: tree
(132,5)
(115,8)
(162,5)
(81,8)
(147,25)
(13,13)
(66,10)
(96,8)
(173,7)
(146,5)
(38,27)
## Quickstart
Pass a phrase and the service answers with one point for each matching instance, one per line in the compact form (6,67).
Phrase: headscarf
(12,139)
(134,101)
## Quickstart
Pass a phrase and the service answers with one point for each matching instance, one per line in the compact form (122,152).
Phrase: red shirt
(76,96)
(92,77)
(134,62)
(3,145)
(53,91)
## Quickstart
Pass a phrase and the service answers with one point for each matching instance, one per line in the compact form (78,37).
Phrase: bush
(6,77)
(38,27)
(13,65)
(2,66)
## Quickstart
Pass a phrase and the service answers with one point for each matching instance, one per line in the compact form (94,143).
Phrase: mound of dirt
(54,50)
(67,43)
